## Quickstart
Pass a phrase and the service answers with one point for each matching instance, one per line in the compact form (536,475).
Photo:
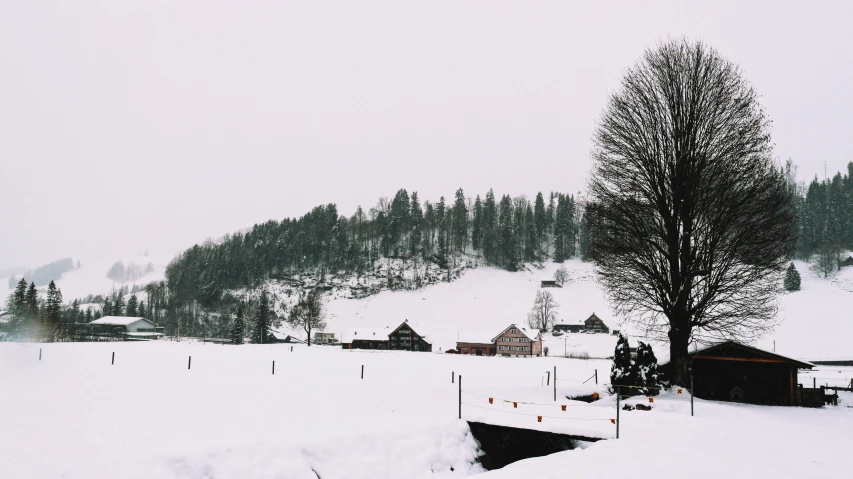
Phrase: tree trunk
(679,340)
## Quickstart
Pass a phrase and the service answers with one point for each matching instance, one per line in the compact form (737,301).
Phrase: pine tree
(531,240)
(540,219)
(53,310)
(507,242)
(118,304)
(792,279)
(238,328)
(132,304)
(107,309)
(620,372)
(261,330)
(477,225)
(89,315)
(460,222)
(140,311)
(490,229)
(417,224)
(12,282)
(33,308)
(644,371)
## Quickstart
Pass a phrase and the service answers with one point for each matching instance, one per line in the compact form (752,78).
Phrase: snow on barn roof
(366,334)
(119,320)
(705,347)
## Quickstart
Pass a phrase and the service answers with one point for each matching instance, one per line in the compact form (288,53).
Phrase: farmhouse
(477,349)
(404,338)
(124,327)
(518,341)
(731,371)
(325,338)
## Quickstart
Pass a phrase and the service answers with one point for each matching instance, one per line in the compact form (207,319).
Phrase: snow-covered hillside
(92,278)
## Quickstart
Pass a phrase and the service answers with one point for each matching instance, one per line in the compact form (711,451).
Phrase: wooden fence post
(114,358)
(190,362)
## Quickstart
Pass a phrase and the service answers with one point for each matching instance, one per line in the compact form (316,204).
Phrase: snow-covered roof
(144,335)
(119,320)
(366,334)
(529,332)
(282,336)
(709,346)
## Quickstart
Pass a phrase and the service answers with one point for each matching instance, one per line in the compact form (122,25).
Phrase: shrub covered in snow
(620,372)
(645,370)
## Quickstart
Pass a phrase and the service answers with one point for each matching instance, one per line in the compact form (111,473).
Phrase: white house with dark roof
(130,327)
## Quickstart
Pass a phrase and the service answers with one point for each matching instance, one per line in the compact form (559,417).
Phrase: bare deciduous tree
(827,259)
(693,221)
(544,311)
(561,276)
(308,313)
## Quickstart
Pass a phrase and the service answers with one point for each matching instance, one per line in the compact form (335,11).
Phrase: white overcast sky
(133,125)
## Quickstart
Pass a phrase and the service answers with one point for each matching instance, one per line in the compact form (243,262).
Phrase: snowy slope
(478,306)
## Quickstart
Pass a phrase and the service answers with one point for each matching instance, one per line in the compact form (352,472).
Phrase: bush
(792,279)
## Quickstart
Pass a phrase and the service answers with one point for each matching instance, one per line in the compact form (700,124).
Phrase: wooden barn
(476,349)
(404,338)
(731,371)
(365,338)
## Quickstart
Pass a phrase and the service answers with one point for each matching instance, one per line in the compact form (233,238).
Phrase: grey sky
(138,125)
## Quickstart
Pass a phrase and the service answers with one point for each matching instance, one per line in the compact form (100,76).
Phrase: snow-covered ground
(75,415)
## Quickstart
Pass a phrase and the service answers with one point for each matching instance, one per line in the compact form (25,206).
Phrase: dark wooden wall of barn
(766,383)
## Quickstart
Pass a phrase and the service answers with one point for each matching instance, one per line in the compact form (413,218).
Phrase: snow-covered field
(75,415)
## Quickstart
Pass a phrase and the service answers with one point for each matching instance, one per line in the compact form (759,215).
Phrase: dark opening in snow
(502,445)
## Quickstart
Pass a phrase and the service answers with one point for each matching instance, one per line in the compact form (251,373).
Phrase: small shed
(846,262)
(732,371)
(549,283)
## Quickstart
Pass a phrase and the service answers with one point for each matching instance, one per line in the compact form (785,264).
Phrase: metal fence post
(596,376)
(618,401)
(555,383)
(460,396)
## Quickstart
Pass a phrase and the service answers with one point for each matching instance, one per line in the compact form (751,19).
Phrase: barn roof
(120,320)
(365,334)
(710,348)
(406,323)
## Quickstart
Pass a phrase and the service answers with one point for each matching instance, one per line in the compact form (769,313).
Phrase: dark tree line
(824,214)
(505,232)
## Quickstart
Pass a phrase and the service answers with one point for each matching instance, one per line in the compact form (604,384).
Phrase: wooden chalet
(518,341)
(404,338)
(846,262)
(731,371)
